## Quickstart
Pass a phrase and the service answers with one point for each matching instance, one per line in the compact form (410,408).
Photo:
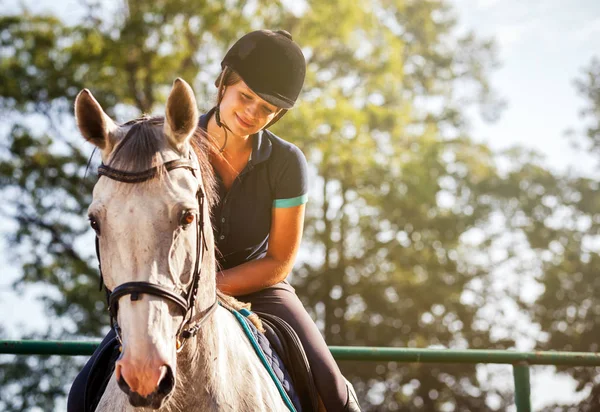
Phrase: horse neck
(222,359)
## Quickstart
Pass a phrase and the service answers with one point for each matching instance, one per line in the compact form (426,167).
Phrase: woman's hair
(226,78)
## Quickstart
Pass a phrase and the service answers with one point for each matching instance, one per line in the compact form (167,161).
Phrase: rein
(185,300)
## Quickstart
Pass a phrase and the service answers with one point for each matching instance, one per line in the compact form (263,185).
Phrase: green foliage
(387,264)
(403,214)
(588,86)
(29,382)
(567,224)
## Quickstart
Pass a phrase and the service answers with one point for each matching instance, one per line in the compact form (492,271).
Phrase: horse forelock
(141,146)
(144,142)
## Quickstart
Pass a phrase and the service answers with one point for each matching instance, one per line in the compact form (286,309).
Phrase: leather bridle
(185,300)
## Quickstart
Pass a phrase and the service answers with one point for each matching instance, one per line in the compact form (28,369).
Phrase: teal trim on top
(294,201)
(245,312)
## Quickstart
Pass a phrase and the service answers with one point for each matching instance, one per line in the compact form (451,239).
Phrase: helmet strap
(276,118)
(218,116)
(222,126)
(222,149)
(218,107)
(220,91)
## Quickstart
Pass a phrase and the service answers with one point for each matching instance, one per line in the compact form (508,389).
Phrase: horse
(180,349)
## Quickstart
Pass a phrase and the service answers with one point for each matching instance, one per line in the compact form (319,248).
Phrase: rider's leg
(281,300)
(76,401)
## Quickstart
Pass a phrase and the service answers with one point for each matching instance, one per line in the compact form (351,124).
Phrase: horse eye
(94,224)
(187,218)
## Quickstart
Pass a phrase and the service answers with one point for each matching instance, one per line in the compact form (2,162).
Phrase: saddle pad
(287,344)
(275,362)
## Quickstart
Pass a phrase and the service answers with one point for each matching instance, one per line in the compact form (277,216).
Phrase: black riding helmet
(271,64)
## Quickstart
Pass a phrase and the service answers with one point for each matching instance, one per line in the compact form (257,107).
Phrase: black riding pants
(279,300)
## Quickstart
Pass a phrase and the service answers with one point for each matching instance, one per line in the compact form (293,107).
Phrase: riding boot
(352,404)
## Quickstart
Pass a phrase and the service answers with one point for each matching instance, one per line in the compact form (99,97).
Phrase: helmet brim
(274,100)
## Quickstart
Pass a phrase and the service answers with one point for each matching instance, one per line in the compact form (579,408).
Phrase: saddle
(287,345)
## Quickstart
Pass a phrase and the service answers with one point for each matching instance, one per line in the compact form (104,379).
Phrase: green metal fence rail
(519,360)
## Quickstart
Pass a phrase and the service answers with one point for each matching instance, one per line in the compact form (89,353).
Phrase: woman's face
(244,112)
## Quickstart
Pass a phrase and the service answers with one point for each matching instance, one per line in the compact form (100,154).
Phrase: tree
(400,189)
(568,308)
(385,132)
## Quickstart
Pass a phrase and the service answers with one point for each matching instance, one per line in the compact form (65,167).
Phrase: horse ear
(93,123)
(181,114)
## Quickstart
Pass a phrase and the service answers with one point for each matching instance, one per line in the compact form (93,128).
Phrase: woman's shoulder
(287,169)
(281,147)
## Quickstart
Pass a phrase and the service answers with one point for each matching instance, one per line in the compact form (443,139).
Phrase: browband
(137,177)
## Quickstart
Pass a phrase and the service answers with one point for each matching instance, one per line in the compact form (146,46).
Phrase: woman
(259,218)
(263,190)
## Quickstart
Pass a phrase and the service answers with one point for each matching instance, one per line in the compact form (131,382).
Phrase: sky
(543,46)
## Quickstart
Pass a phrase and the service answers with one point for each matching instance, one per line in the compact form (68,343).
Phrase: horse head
(153,237)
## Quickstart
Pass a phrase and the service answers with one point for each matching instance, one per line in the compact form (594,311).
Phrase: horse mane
(231,303)
(140,150)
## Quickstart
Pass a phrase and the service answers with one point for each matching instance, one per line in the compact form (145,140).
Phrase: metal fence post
(522,387)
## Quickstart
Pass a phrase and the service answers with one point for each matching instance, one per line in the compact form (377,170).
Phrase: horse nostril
(153,400)
(167,383)
(121,381)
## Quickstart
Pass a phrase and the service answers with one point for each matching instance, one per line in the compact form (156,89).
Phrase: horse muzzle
(161,380)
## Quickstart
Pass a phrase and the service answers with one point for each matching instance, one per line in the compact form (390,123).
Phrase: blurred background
(453,148)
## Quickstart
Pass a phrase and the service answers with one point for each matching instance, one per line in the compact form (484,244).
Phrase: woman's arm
(284,241)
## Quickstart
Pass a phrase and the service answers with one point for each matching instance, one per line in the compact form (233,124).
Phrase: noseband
(186,300)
